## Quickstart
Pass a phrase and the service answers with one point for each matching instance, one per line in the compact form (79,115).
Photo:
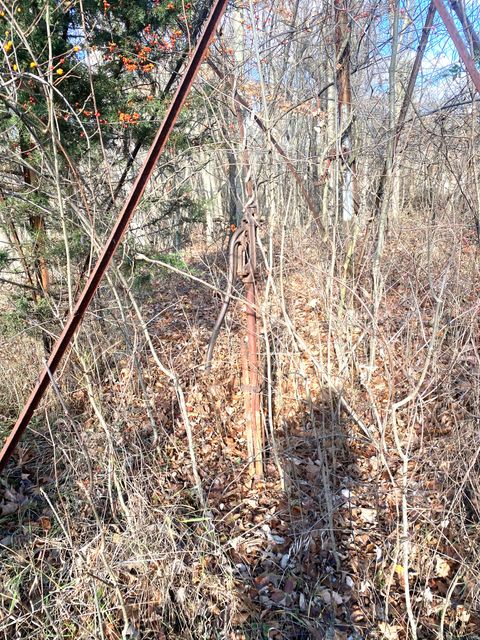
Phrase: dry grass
(372,470)
(19,364)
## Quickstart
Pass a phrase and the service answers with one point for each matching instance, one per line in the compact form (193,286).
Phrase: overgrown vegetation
(128,509)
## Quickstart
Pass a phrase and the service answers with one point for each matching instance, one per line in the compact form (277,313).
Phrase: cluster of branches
(329,92)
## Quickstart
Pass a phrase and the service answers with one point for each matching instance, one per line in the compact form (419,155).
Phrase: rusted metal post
(468,61)
(118,231)
(252,389)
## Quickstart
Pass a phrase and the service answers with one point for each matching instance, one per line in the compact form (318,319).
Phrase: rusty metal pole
(253,389)
(118,231)
(250,354)
(468,61)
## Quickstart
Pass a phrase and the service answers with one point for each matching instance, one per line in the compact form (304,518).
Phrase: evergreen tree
(77,74)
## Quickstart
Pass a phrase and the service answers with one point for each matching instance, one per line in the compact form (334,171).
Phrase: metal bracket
(242,264)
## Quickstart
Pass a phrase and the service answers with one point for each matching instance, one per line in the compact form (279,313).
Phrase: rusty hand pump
(118,231)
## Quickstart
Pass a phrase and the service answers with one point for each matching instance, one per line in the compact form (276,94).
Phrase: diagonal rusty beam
(118,230)
(468,61)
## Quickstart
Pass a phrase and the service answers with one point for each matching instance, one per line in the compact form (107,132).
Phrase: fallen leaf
(277,596)
(302,602)
(442,568)
(331,596)
(290,584)
(389,631)
(461,614)
(45,523)
(9,507)
(368,515)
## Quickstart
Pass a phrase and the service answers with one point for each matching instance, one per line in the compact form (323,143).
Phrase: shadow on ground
(110,519)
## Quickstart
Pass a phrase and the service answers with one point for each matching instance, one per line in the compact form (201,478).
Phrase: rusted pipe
(234,247)
(252,391)
(118,231)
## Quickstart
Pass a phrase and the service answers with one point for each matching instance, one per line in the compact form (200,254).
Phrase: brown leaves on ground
(314,549)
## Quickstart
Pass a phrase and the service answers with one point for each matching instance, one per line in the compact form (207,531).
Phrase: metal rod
(468,61)
(234,245)
(252,391)
(117,233)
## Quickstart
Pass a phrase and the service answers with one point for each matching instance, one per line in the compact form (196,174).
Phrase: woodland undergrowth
(367,522)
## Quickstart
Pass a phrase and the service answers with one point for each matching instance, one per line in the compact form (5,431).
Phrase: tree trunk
(407,99)
(471,34)
(349,195)
(37,222)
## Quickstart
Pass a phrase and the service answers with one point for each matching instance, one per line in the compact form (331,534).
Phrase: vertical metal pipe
(253,389)
(118,231)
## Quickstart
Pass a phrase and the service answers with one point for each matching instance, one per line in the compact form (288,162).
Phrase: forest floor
(360,528)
